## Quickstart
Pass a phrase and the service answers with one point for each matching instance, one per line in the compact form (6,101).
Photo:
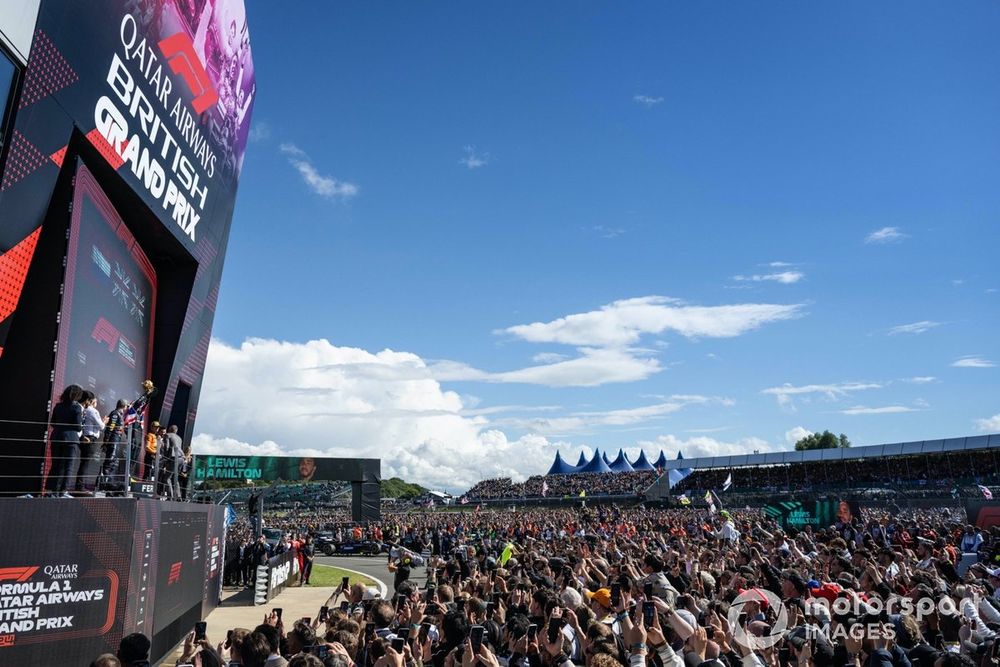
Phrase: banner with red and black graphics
(282,571)
(145,104)
(983,513)
(76,576)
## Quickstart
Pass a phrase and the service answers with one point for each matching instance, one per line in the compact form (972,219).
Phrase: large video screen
(286,468)
(106,330)
(180,572)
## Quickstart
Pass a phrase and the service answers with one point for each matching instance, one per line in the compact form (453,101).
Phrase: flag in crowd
(986,492)
(463,500)
(683,499)
(545,488)
(728,483)
(711,501)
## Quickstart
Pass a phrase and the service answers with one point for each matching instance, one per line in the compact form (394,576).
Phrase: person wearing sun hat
(600,604)
(728,531)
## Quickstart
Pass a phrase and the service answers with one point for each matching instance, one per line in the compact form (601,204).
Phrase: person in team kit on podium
(114,440)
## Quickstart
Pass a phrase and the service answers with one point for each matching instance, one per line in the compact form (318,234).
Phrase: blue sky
(732,197)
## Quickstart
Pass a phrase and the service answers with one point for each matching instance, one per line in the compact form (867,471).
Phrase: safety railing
(71,460)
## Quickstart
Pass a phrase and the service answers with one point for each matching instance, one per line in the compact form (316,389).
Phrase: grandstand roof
(642,463)
(870,451)
(560,467)
(596,464)
(621,464)
(677,474)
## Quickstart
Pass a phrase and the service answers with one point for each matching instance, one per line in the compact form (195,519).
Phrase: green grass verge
(330,576)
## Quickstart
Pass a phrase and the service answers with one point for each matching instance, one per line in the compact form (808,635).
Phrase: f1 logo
(175,574)
(17,573)
(179,52)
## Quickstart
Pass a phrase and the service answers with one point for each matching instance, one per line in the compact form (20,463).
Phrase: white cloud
(921,379)
(647,100)
(884,410)
(260,131)
(885,235)
(270,397)
(548,357)
(325,186)
(989,425)
(608,232)
(784,277)
(972,362)
(795,434)
(593,367)
(958,282)
(914,327)
(580,421)
(622,323)
(780,265)
(473,160)
(786,393)
(701,446)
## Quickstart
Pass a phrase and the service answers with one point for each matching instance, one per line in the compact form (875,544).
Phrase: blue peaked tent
(560,467)
(661,461)
(582,460)
(620,464)
(642,463)
(596,464)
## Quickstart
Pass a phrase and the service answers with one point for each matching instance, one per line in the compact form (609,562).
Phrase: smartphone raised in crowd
(555,625)
(460,604)
(369,631)
(345,583)
(277,612)
(647,591)
(425,631)
(616,595)
(397,644)
(476,638)
(199,630)
(532,632)
(324,613)
(345,605)
(648,613)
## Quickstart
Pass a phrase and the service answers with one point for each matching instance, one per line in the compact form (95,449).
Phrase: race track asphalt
(372,566)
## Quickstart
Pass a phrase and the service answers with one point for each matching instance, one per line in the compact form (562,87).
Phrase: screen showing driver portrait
(108,303)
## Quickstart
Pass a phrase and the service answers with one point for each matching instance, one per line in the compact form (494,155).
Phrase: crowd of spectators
(557,486)
(617,585)
(925,472)
(917,476)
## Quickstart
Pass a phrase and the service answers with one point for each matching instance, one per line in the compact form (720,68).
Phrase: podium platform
(76,575)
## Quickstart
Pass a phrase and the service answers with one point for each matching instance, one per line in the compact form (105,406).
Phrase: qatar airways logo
(184,62)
